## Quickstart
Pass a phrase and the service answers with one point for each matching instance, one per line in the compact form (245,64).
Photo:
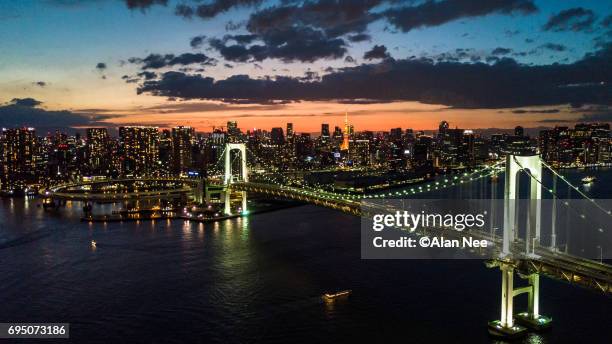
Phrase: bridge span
(140,188)
(525,257)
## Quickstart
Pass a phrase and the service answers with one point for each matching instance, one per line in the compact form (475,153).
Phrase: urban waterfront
(256,278)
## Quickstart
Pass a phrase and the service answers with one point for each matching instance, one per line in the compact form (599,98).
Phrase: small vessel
(588,180)
(93,244)
(339,294)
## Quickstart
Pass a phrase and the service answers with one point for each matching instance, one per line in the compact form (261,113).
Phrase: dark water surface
(254,279)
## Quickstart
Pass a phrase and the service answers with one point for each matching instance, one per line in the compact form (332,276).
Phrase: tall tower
(346,134)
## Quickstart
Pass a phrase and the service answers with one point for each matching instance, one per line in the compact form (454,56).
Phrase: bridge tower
(229,177)
(530,163)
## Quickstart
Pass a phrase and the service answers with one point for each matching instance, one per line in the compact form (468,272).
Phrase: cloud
(501,51)
(184,11)
(298,43)
(553,47)
(434,13)
(39,83)
(101,66)
(147,75)
(574,19)
(586,118)
(377,52)
(197,41)
(212,8)
(503,84)
(359,37)
(144,4)
(349,59)
(25,102)
(157,61)
(24,112)
(522,111)
(306,31)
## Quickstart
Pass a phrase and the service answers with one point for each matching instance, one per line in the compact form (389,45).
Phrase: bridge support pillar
(532,318)
(510,325)
(245,209)
(227,201)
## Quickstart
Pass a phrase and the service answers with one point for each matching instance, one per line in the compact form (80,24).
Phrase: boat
(588,180)
(336,295)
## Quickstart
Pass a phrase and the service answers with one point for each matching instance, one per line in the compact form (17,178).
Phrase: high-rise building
(98,149)
(18,163)
(182,139)
(519,131)
(289,131)
(277,136)
(233,132)
(325,130)
(140,147)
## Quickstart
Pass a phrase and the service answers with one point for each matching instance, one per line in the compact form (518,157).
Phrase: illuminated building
(325,131)
(290,132)
(97,149)
(182,138)
(360,152)
(18,163)
(346,135)
(140,148)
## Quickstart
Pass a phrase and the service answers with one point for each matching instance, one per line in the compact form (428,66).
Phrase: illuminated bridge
(109,190)
(521,248)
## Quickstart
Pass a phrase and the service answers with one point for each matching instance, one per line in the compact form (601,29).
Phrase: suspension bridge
(528,256)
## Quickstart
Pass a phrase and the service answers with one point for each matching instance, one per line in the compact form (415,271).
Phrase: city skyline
(165,63)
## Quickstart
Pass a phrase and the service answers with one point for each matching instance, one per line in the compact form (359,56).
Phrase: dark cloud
(586,118)
(501,51)
(212,8)
(377,52)
(25,102)
(197,41)
(306,31)
(147,75)
(434,13)
(40,83)
(573,19)
(130,80)
(359,37)
(101,66)
(469,85)
(335,18)
(144,4)
(24,112)
(156,61)
(299,43)
(522,111)
(183,10)
(349,59)
(553,47)
(510,33)
(233,26)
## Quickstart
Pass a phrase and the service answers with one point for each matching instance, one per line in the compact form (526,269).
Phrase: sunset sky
(388,63)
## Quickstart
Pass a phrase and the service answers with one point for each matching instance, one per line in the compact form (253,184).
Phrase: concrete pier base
(538,323)
(497,330)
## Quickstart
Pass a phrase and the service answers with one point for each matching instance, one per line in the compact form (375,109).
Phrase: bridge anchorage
(510,324)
